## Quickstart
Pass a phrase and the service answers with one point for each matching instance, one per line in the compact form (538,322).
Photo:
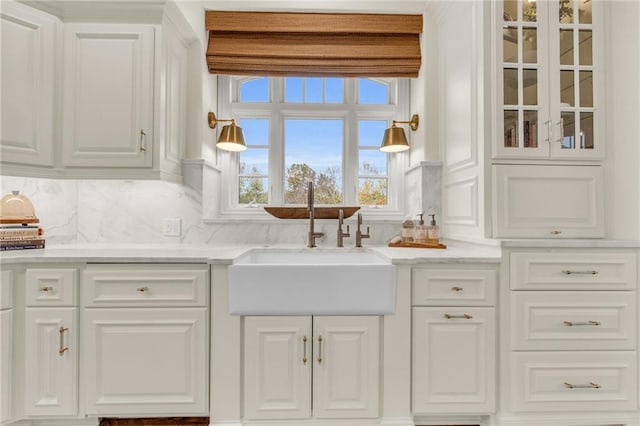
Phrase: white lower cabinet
(51,361)
(453,360)
(304,367)
(6,327)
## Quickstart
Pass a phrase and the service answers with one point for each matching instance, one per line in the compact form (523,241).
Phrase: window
(327,130)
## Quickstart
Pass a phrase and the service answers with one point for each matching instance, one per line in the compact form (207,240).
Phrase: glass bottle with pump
(407,230)
(421,234)
(433,231)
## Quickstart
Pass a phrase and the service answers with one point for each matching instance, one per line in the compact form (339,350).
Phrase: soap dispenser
(421,234)
(433,231)
(407,230)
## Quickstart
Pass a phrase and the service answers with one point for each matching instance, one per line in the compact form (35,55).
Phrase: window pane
(372,192)
(293,89)
(334,90)
(567,96)
(313,90)
(511,129)
(566,11)
(568,130)
(370,132)
(586,89)
(586,48)
(530,87)
(372,92)
(510,44)
(584,11)
(529,10)
(256,90)
(510,10)
(256,130)
(372,162)
(253,190)
(530,128)
(510,86)
(566,47)
(586,130)
(254,162)
(530,45)
(313,151)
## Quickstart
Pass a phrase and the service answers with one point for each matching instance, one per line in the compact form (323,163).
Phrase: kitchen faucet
(341,234)
(359,234)
(312,234)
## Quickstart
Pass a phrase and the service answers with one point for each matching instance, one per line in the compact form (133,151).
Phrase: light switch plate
(172,227)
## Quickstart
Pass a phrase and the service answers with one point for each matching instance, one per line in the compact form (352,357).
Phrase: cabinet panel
(448,287)
(277,367)
(28,40)
(145,361)
(51,361)
(548,201)
(346,364)
(557,320)
(573,381)
(453,360)
(6,289)
(6,362)
(51,287)
(108,103)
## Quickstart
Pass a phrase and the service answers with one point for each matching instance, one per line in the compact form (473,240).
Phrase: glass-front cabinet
(549,79)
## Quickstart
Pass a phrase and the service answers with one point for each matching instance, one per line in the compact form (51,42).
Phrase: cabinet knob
(142,289)
(456,288)
(556,232)
(46,289)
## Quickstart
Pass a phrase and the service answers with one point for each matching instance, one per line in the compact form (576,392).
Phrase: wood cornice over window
(313,44)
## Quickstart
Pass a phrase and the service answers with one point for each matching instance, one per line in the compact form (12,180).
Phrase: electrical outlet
(172,227)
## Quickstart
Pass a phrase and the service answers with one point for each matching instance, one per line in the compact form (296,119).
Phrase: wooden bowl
(302,212)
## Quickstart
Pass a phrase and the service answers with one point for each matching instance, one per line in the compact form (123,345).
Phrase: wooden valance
(313,44)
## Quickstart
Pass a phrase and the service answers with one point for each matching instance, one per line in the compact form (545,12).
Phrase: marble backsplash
(125,211)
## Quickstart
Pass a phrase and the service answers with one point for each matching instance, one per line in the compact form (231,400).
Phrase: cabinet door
(6,345)
(346,367)
(51,361)
(548,202)
(145,361)
(108,102)
(277,367)
(453,360)
(28,40)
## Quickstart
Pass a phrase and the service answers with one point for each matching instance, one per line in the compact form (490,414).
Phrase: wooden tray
(303,213)
(417,245)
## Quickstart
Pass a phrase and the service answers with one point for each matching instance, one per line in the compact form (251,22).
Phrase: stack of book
(15,236)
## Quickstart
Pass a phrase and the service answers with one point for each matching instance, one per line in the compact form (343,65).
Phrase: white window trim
(227,208)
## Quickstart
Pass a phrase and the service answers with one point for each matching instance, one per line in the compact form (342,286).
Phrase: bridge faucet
(341,234)
(359,234)
(310,207)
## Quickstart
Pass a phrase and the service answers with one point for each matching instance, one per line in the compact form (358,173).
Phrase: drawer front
(145,285)
(573,271)
(573,381)
(51,287)
(449,287)
(6,289)
(566,320)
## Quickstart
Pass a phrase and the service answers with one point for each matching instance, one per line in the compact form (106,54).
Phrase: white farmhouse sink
(312,282)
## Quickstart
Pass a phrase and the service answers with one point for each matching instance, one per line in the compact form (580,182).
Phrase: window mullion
(350,160)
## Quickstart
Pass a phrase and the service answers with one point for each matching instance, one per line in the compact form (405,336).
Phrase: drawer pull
(46,289)
(319,349)
(465,316)
(456,288)
(591,385)
(556,232)
(142,289)
(62,349)
(304,350)
(572,323)
(569,272)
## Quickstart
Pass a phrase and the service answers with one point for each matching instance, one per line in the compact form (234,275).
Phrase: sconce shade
(231,138)
(394,140)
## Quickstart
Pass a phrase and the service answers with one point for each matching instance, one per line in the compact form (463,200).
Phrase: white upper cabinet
(108,99)
(549,73)
(28,39)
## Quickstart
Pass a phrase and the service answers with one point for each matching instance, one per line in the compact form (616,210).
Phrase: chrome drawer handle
(571,323)
(304,350)
(591,385)
(456,288)
(63,348)
(142,289)
(465,316)
(570,272)
(319,349)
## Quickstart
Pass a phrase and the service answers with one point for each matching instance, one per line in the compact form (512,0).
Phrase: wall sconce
(231,138)
(394,139)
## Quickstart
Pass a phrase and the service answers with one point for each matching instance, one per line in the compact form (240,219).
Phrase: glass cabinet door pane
(529,11)
(567,88)
(566,47)
(585,50)
(511,129)
(530,87)
(530,45)
(586,88)
(530,129)
(586,130)
(510,86)
(568,124)
(566,11)
(510,44)
(510,10)
(584,11)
